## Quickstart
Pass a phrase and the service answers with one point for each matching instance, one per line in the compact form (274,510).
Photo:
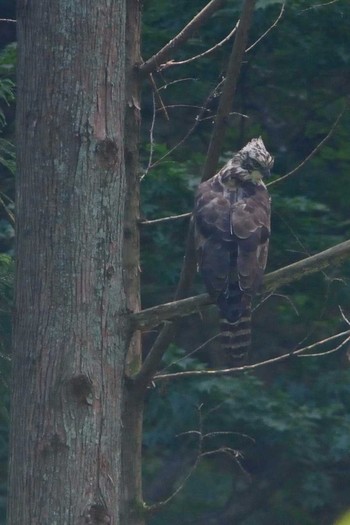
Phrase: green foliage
(165,192)
(292,436)
(7,96)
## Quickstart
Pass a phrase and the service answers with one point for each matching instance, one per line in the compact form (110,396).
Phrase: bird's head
(251,164)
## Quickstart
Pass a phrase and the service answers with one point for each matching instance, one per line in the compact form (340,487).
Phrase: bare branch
(153,316)
(153,63)
(231,371)
(314,151)
(171,63)
(226,99)
(268,30)
(8,20)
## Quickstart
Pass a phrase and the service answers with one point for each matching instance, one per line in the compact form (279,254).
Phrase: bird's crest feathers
(255,150)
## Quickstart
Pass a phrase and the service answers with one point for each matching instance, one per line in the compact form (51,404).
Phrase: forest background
(281,435)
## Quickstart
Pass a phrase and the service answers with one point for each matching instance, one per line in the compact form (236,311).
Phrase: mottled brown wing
(250,222)
(213,239)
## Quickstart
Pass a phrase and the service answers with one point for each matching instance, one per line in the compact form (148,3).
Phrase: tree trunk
(71,334)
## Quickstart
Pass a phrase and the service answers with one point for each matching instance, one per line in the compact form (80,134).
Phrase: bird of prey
(232,230)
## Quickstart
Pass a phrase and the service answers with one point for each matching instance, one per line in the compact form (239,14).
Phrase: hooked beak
(266,173)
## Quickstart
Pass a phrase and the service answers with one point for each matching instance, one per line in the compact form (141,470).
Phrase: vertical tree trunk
(70,338)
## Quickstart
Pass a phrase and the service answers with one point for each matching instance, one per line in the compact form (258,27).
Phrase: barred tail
(235,337)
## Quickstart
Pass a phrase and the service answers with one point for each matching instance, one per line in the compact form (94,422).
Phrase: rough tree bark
(71,332)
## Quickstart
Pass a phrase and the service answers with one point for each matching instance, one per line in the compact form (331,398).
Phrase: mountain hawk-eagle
(232,230)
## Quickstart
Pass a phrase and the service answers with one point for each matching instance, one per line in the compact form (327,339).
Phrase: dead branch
(151,317)
(231,371)
(153,63)
(171,63)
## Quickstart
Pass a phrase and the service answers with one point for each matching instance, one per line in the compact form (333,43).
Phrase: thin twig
(151,138)
(171,63)
(242,115)
(167,84)
(230,371)
(8,20)
(159,98)
(314,151)
(269,29)
(318,5)
(166,219)
(161,56)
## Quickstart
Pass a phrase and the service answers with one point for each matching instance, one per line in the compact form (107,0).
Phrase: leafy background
(275,442)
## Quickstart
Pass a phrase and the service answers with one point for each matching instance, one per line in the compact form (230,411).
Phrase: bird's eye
(251,165)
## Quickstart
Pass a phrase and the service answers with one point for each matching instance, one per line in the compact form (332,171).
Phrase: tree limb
(151,317)
(226,99)
(153,63)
